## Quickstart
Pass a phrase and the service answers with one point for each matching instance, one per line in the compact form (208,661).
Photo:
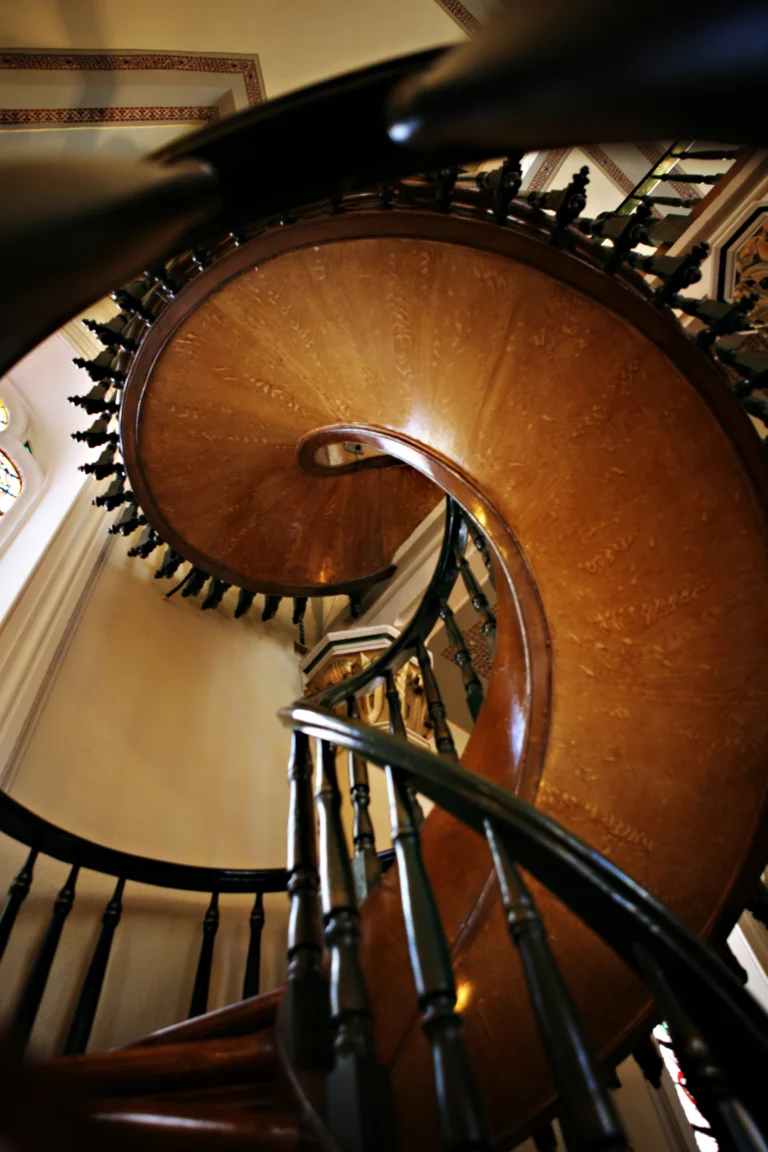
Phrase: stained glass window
(10,483)
(4,417)
(701,1127)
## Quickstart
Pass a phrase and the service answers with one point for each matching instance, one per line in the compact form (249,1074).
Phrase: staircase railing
(83,855)
(719,1031)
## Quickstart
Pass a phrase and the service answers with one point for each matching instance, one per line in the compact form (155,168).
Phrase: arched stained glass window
(5,419)
(10,483)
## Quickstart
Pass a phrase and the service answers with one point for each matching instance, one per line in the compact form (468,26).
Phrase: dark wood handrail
(613,905)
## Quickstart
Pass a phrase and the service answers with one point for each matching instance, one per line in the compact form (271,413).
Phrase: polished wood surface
(210,446)
(621,492)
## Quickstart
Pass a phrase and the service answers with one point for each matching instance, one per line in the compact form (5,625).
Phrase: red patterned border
(461,15)
(247,67)
(604,161)
(10,117)
(547,168)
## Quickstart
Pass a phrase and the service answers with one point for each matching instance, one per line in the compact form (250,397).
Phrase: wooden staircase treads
(164,1133)
(138,1071)
(243,1018)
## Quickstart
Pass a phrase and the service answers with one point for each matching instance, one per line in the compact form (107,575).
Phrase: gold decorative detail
(751,273)
(372,706)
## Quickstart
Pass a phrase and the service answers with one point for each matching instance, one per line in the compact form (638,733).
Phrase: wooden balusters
(199,1002)
(305,1014)
(271,605)
(215,595)
(17,894)
(253,962)
(586,1112)
(366,868)
(98,433)
(113,334)
(675,272)
(397,728)
(472,686)
(244,601)
(480,543)
(358,1098)
(194,583)
(461,1120)
(732,1125)
(479,601)
(435,707)
(148,542)
(29,1001)
(85,1012)
(171,562)
(106,465)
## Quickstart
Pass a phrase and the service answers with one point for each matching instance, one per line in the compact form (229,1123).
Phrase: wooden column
(304,1012)
(358,1095)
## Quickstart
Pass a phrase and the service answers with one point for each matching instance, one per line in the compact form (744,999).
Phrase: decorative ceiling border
(611,169)
(78,117)
(461,15)
(547,169)
(137,61)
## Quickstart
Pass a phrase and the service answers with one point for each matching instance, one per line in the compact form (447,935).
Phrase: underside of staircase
(348,361)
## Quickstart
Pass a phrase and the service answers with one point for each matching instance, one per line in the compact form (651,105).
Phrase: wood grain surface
(622,493)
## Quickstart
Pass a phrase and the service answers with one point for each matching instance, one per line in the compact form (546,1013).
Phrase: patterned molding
(130,61)
(547,169)
(30,117)
(612,170)
(461,15)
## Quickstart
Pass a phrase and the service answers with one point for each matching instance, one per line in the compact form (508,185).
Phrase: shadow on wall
(159,736)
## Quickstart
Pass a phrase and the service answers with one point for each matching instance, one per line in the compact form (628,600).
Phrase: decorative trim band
(547,169)
(461,15)
(611,170)
(129,61)
(31,117)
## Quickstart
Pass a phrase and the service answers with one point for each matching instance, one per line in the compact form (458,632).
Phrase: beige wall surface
(159,737)
(298,42)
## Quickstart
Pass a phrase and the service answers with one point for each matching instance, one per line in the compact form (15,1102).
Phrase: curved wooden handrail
(28,828)
(612,473)
(616,908)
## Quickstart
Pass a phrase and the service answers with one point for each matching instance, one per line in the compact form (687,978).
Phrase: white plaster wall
(44,379)
(159,736)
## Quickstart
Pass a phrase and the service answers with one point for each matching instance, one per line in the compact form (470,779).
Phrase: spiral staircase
(372,331)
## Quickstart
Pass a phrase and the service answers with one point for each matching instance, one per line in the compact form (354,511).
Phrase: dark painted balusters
(478,600)
(85,1012)
(199,1002)
(29,1001)
(461,1119)
(304,1012)
(732,1126)
(17,894)
(253,962)
(359,1105)
(481,544)
(586,1112)
(435,707)
(472,686)
(366,868)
